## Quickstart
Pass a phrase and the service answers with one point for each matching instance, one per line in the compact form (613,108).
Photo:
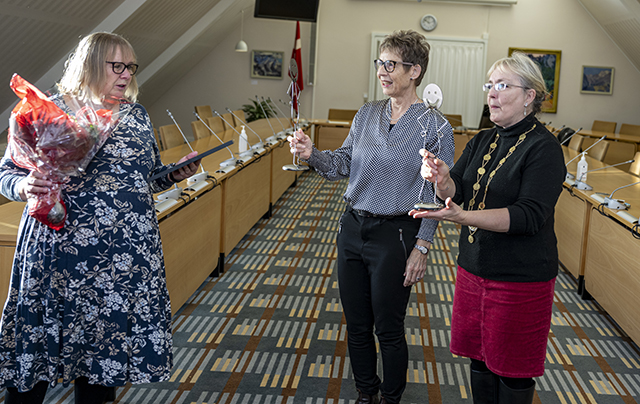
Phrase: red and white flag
(297,56)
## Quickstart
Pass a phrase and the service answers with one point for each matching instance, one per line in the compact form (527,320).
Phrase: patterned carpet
(270,330)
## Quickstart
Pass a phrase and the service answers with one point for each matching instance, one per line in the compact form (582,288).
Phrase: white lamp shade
(241,46)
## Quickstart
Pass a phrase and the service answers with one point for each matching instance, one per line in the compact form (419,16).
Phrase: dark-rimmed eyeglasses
(118,67)
(498,86)
(389,65)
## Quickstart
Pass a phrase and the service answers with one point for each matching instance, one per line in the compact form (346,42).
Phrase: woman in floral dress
(89,302)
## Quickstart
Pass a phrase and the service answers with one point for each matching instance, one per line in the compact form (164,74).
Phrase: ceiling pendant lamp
(241,46)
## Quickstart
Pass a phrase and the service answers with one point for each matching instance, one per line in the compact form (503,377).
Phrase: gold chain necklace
(482,171)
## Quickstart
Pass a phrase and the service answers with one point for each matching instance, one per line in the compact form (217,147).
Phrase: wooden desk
(621,147)
(599,248)
(330,134)
(10,215)
(192,231)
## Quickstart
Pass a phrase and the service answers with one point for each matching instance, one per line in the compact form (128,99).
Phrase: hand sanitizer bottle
(583,167)
(243,145)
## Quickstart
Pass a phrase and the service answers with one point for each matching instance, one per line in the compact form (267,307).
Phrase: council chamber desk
(598,245)
(207,221)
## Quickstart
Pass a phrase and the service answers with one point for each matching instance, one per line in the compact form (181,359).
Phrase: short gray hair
(411,46)
(528,73)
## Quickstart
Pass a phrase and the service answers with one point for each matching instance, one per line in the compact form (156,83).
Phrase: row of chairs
(610,127)
(170,134)
(599,152)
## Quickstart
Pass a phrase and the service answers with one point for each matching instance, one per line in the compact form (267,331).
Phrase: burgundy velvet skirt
(504,324)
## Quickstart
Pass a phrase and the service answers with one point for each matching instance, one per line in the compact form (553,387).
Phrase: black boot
(86,393)
(33,396)
(364,398)
(508,395)
(484,387)
(111,394)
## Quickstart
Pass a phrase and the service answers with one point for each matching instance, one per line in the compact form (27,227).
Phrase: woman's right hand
(301,144)
(33,185)
(434,169)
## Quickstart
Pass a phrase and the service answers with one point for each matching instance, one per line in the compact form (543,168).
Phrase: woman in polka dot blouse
(382,252)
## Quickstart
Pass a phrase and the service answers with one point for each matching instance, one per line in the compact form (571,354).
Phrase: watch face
(429,22)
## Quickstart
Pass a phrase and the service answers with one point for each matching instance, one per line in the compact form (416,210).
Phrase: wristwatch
(424,250)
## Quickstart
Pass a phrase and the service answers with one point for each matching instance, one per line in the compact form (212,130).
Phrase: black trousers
(372,255)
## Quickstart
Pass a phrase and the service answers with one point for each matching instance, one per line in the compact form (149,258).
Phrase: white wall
(222,79)
(343,56)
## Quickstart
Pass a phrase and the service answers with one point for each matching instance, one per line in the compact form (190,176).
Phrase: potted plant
(253,111)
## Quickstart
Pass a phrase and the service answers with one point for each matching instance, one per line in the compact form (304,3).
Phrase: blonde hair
(412,47)
(528,73)
(84,72)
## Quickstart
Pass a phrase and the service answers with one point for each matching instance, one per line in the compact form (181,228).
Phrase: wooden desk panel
(611,272)
(329,137)
(191,244)
(281,180)
(10,215)
(571,222)
(246,198)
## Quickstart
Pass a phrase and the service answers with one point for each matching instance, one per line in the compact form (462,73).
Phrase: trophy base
(428,206)
(294,167)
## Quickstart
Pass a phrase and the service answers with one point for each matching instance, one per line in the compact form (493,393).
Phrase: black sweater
(528,185)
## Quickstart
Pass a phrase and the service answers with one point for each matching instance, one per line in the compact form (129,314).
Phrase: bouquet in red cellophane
(43,137)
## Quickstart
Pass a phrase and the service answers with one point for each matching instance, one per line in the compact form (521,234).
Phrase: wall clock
(429,22)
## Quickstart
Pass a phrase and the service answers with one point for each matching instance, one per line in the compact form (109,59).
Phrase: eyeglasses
(389,65)
(498,86)
(118,67)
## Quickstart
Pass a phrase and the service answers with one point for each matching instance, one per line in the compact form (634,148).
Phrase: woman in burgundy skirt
(508,179)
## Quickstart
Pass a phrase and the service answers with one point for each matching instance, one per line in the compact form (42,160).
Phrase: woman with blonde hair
(509,179)
(89,303)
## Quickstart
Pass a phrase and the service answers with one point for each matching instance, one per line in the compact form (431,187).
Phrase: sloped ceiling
(620,19)
(169,37)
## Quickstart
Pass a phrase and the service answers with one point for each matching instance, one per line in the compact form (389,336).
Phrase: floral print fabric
(91,299)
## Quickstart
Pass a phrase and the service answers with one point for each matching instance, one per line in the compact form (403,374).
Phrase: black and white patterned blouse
(382,162)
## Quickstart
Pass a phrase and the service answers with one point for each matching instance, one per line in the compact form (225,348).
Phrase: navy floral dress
(91,299)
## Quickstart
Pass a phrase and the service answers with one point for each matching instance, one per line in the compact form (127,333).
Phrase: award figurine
(432,96)
(294,93)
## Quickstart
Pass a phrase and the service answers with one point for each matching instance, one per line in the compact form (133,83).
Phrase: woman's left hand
(186,171)
(416,267)
(451,212)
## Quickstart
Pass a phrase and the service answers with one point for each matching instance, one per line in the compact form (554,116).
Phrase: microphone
(265,112)
(569,137)
(196,177)
(245,155)
(557,130)
(586,187)
(303,116)
(224,166)
(618,204)
(571,176)
(259,147)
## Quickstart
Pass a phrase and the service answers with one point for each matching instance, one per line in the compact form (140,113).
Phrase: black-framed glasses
(498,86)
(118,67)
(389,65)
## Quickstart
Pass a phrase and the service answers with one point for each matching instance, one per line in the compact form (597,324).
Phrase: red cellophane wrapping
(44,138)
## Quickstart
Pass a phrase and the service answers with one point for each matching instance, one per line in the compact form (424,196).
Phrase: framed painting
(266,64)
(597,80)
(549,63)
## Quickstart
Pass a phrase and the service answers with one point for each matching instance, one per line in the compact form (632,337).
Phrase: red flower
(43,137)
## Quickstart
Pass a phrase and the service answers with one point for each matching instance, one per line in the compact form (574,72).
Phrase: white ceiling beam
(113,21)
(185,39)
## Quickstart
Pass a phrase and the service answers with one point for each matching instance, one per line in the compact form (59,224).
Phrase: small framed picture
(266,64)
(597,80)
